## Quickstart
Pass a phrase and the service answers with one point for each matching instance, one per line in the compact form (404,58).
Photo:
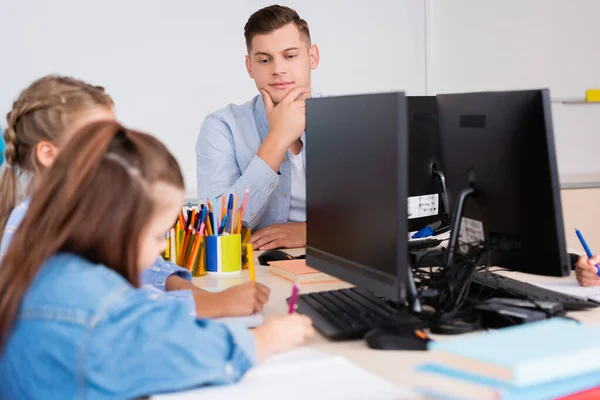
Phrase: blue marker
(586,248)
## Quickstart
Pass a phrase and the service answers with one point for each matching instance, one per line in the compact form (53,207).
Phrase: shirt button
(285,158)
(252,214)
(284,194)
(272,185)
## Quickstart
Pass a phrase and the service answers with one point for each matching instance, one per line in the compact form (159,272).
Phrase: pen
(228,210)
(295,290)
(586,248)
(223,225)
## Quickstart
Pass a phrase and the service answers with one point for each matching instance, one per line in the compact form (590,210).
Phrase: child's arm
(139,347)
(236,301)
(158,274)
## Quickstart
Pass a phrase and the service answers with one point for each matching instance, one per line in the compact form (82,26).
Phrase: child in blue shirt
(41,121)
(72,322)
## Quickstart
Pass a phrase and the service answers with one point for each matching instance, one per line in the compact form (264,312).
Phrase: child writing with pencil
(40,123)
(68,296)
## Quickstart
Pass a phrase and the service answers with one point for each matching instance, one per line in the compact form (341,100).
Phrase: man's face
(280,60)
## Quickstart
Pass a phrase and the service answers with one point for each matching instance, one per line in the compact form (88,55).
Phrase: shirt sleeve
(140,347)
(183,296)
(218,171)
(157,274)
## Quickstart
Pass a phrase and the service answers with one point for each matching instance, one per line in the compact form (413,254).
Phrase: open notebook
(571,287)
(298,375)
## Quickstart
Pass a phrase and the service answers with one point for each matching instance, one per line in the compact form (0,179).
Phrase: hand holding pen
(587,268)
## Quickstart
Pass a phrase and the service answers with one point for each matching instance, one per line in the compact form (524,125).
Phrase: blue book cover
(524,355)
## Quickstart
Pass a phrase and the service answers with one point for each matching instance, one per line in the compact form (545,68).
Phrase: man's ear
(249,67)
(314,55)
(46,153)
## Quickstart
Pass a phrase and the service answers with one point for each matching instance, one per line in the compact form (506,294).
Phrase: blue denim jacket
(153,279)
(83,332)
(226,162)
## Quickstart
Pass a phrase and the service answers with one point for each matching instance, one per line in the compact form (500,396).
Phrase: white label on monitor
(423,206)
(471,233)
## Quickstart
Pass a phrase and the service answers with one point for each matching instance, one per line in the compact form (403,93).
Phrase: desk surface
(394,366)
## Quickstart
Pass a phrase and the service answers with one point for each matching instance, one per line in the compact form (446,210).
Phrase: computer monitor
(356,190)
(426,201)
(501,145)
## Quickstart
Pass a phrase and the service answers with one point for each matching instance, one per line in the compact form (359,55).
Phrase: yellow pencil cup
(224,254)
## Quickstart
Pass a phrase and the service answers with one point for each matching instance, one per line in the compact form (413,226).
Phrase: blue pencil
(586,248)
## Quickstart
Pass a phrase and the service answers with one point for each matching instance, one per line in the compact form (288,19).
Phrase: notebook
(301,374)
(572,288)
(297,271)
(524,355)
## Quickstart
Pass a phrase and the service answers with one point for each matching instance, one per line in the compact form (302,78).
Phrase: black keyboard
(488,284)
(422,244)
(350,313)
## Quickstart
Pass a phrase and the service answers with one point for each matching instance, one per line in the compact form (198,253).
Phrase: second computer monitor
(426,197)
(501,144)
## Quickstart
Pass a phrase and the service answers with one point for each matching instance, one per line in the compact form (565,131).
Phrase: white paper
(423,206)
(301,374)
(571,287)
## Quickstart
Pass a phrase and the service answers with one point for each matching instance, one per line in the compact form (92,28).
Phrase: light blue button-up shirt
(226,163)
(153,279)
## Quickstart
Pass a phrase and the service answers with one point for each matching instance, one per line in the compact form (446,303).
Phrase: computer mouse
(396,339)
(273,255)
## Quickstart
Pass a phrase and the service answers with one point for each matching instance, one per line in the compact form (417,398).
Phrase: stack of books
(550,359)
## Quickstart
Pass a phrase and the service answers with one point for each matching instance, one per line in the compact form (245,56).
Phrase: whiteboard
(515,44)
(167,64)
(479,45)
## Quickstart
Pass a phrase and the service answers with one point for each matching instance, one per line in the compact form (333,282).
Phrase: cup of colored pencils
(187,240)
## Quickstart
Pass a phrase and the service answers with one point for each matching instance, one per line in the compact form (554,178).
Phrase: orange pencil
(223,207)
(239,222)
(190,230)
(233,217)
(181,219)
(209,230)
(210,206)
(194,254)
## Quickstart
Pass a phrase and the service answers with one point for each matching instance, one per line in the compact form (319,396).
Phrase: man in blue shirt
(259,146)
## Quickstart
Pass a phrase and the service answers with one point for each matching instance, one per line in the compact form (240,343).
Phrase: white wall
(169,63)
(514,44)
